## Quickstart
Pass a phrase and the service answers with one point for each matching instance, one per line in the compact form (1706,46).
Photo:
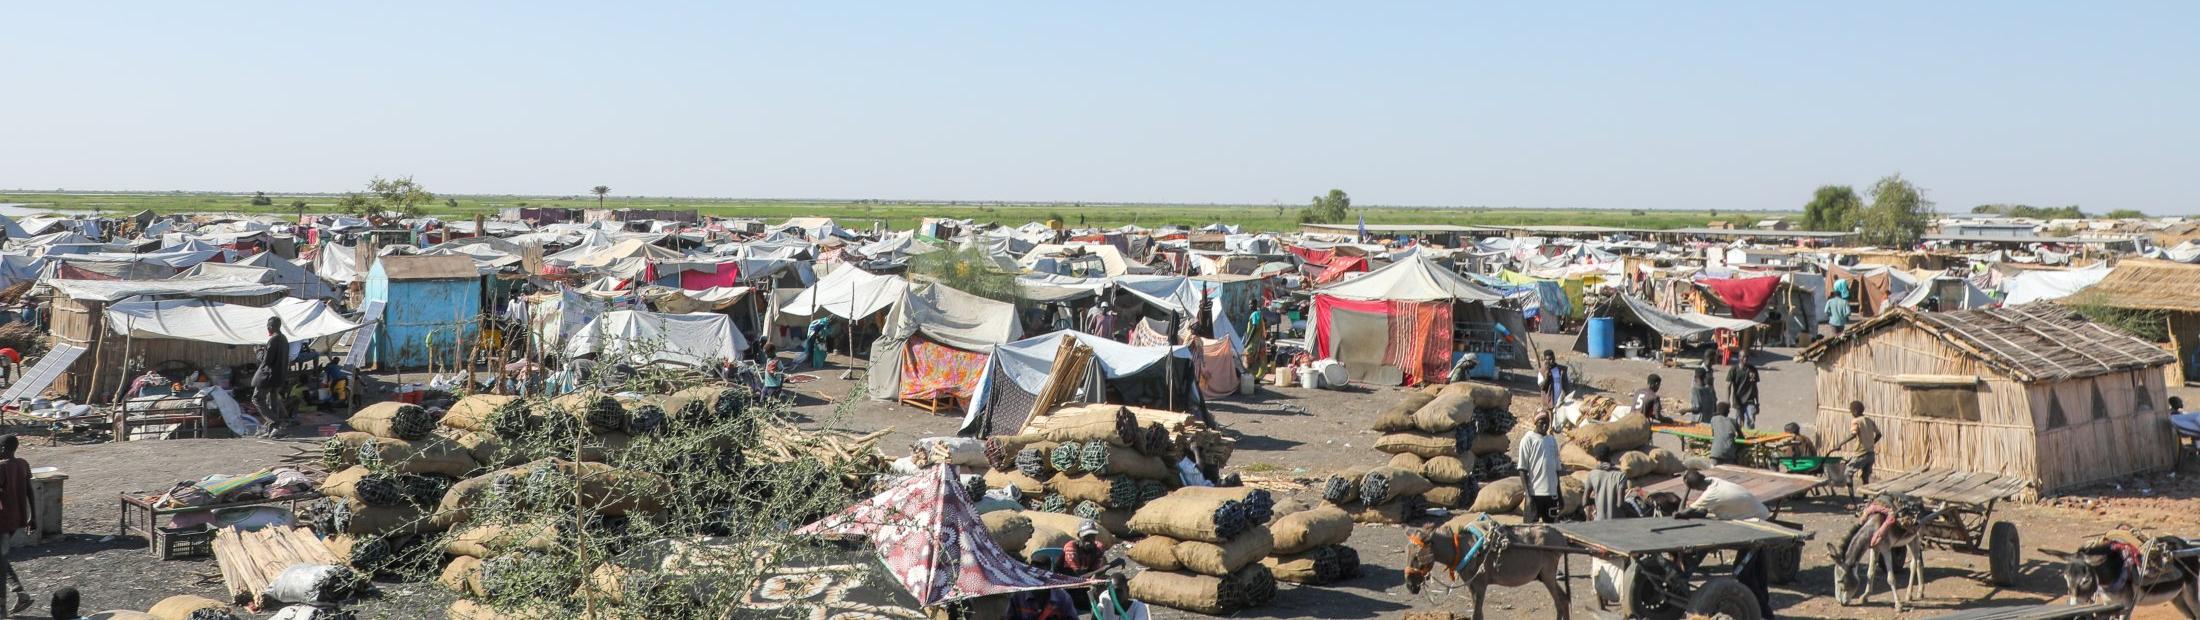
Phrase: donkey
(2105,571)
(1890,533)
(1497,561)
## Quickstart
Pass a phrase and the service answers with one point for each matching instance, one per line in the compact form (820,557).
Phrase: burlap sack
(1081,487)
(462,575)
(468,609)
(346,547)
(1127,462)
(1635,464)
(1444,413)
(1023,483)
(433,455)
(1086,424)
(1446,470)
(1115,521)
(1042,539)
(605,447)
(459,499)
(1403,483)
(1408,461)
(393,420)
(1572,493)
(1207,558)
(485,447)
(473,412)
(1665,462)
(1576,458)
(491,540)
(344,483)
(182,606)
(1301,531)
(1155,553)
(1489,444)
(1421,445)
(1067,523)
(596,411)
(1203,593)
(1626,433)
(1181,516)
(1317,566)
(1500,496)
(387,520)
(1393,513)
(121,614)
(1343,487)
(1010,530)
(1399,417)
(1447,496)
(614,491)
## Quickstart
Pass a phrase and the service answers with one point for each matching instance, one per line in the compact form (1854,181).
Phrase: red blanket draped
(1746,296)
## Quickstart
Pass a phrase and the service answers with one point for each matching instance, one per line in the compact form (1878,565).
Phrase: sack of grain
(1387,483)
(1572,494)
(1665,462)
(1489,444)
(1010,530)
(1576,458)
(1446,496)
(1317,566)
(1302,531)
(1500,496)
(1154,553)
(369,488)
(1184,516)
(1395,512)
(1408,461)
(462,575)
(490,540)
(1251,586)
(187,607)
(1043,538)
(1627,433)
(1068,523)
(1444,414)
(1635,464)
(1399,417)
(1343,487)
(1421,445)
(1446,470)
(597,411)
(1087,487)
(1207,558)
(1021,482)
(394,420)
(476,412)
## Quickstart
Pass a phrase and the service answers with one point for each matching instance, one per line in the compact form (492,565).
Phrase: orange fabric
(931,370)
(1420,340)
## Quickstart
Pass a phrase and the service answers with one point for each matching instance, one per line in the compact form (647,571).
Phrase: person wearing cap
(1540,469)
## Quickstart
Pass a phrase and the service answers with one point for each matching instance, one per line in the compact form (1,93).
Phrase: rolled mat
(1446,470)
(1393,513)
(1207,558)
(1445,413)
(1408,461)
(1067,457)
(1419,444)
(1302,531)
(424,489)
(394,420)
(1343,487)
(1068,523)
(369,488)
(1021,482)
(1317,566)
(1157,441)
(187,607)
(1009,529)
(1154,553)
(476,412)
(1501,496)
(599,411)
(1626,433)
(1387,483)
(1252,586)
(1666,462)
(1399,417)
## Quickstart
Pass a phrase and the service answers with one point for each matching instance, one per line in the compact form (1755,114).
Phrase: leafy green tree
(1329,209)
(403,196)
(1832,207)
(2125,214)
(600,191)
(260,199)
(969,269)
(1899,213)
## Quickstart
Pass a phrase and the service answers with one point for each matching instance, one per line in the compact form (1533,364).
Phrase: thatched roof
(2144,284)
(2032,342)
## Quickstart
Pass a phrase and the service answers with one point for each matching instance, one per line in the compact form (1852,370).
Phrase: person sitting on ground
(774,380)
(1725,435)
(1797,446)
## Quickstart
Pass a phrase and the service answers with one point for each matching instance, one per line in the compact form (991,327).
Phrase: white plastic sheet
(698,340)
(224,323)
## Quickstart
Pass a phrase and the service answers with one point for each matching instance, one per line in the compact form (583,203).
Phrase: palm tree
(600,190)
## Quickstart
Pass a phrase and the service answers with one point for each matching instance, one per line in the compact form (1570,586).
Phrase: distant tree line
(2071,212)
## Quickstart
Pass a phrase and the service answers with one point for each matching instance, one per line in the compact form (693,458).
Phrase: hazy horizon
(1612,106)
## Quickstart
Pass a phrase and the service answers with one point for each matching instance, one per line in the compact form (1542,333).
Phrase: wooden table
(1759,448)
(139,517)
(196,412)
(1965,502)
(1769,486)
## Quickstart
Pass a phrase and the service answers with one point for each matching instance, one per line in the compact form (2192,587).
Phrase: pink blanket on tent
(1746,296)
(930,370)
(727,274)
(934,544)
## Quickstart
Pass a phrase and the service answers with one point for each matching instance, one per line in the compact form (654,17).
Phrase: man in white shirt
(1727,501)
(1540,469)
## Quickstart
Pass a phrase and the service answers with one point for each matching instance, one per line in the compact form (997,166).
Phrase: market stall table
(1759,448)
(139,517)
(1769,486)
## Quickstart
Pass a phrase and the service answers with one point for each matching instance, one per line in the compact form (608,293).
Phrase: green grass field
(903,215)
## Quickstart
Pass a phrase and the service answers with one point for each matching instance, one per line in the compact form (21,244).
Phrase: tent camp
(696,340)
(848,293)
(935,343)
(267,268)
(1080,259)
(1954,293)
(1159,377)
(1639,320)
(1395,323)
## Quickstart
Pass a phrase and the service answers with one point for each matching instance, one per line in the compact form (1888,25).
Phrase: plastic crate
(172,544)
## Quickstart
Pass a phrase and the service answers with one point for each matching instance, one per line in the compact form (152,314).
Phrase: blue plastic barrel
(1603,338)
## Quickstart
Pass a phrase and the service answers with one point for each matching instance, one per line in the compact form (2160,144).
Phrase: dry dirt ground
(1283,434)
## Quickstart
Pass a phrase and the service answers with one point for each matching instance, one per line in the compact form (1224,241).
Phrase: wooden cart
(1758,448)
(2053,610)
(1771,487)
(1966,502)
(1663,560)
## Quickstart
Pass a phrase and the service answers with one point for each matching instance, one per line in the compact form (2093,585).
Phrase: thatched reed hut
(2164,291)
(2034,391)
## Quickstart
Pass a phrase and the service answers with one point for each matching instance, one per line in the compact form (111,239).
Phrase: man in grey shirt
(1540,469)
(1724,434)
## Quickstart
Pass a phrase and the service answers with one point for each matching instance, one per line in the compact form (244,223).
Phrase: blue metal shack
(429,304)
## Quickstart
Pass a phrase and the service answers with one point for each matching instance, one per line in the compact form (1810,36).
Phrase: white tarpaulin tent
(848,293)
(943,315)
(698,340)
(338,263)
(200,320)
(1026,363)
(2043,285)
(1415,278)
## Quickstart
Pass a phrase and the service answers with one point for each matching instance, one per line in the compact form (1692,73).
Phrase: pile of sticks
(1064,378)
(782,443)
(251,559)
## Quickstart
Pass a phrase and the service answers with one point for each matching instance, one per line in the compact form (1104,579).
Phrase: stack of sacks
(1467,421)
(1049,530)
(1203,548)
(610,426)
(1093,462)
(483,550)
(186,607)
(1309,547)
(387,477)
(1624,441)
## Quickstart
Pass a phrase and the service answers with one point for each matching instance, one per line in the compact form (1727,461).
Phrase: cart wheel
(1727,597)
(1782,562)
(1643,590)
(2004,553)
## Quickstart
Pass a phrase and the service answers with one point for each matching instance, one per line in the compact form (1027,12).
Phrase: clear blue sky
(1621,105)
